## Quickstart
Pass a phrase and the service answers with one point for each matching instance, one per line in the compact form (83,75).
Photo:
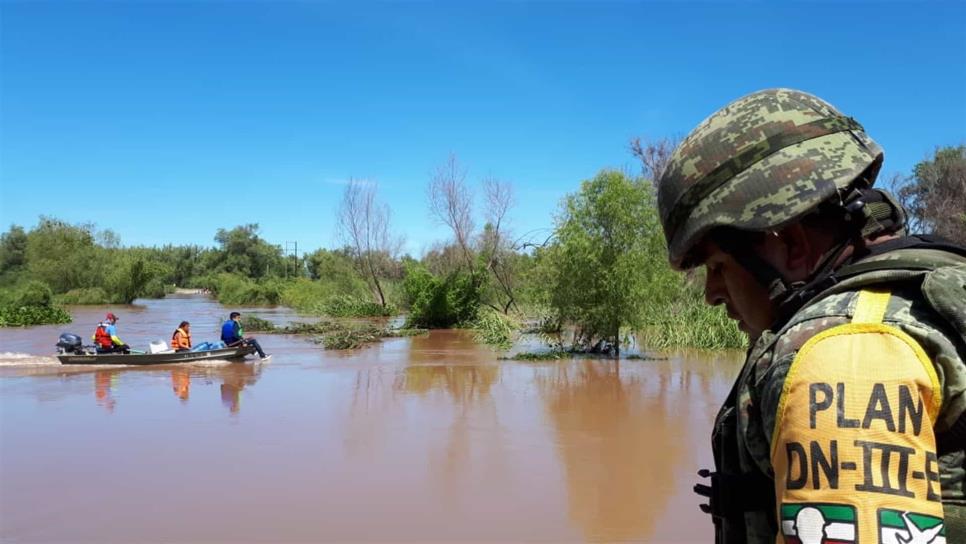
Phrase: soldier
(850,407)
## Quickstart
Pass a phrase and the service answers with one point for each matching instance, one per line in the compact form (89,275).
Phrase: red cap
(111,316)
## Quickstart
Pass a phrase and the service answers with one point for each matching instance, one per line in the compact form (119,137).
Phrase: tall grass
(689,322)
(235,290)
(351,306)
(319,297)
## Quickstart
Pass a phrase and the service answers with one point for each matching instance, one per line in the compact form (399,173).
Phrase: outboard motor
(69,343)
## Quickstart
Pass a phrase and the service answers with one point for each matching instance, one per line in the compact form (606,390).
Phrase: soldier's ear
(800,254)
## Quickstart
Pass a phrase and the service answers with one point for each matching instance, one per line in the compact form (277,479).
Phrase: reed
(689,322)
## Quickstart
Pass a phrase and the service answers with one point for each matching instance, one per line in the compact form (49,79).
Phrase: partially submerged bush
(31,293)
(337,334)
(494,328)
(551,355)
(251,323)
(22,316)
(352,306)
(30,303)
(402,333)
(351,337)
(318,327)
(440,302)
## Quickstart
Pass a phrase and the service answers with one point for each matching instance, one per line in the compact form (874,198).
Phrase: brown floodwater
(418,439)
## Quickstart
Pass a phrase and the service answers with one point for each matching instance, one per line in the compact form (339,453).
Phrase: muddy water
(415,439)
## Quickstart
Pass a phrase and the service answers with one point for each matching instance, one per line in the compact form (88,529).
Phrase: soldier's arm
(849,417)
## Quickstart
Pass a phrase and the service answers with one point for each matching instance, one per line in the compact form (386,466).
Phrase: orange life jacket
(101,337)
(180,340)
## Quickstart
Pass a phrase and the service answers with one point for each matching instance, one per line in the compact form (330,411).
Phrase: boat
(154,358)
(72,353)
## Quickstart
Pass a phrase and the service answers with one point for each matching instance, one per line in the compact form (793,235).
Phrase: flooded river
(415,439)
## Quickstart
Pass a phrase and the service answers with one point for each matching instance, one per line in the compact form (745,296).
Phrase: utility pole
(292,249)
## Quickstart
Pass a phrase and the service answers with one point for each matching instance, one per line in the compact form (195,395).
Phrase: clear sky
(165,121)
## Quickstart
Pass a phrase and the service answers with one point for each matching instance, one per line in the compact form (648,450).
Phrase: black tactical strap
(731,495)
(953,439)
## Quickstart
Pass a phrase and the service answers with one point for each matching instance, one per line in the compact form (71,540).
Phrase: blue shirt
(230,332)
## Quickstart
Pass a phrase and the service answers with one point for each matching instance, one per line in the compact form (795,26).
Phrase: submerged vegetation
(494,328)
(30,303)
(331,333)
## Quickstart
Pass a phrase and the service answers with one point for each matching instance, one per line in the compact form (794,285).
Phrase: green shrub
(85,295)
(32,293)
(306,295)
(156,288)
(319,327)
(351,306)
(351,337)
(251,323)
(234,290)
(436,302)
(22,316)
(494,328)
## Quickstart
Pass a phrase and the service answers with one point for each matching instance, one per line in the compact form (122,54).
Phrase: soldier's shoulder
(907,307)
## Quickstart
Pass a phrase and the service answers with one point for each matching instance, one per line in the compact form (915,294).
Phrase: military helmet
(762,162)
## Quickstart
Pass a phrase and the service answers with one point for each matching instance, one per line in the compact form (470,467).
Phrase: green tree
(440,301)
(935,195)
(605,265)
(13,249)
(63,256)
(129,277)
(243,252)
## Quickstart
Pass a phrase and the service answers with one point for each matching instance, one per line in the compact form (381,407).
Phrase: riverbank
(430,435)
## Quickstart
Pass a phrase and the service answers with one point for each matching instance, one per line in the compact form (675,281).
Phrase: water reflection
(234,378)
(104,382)
(438,362)
(234,381)
(181,383)
(619,443)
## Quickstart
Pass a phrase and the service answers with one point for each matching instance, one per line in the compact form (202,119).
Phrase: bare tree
(654,155)
(364,225)
(494,242)
(934,196)
(897,184)
(450,201)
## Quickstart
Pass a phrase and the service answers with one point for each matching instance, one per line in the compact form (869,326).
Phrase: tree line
(595,282)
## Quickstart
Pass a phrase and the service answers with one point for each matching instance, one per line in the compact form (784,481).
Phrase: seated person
(105,337)
(181,339)
(232,334)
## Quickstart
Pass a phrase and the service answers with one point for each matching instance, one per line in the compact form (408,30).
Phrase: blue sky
(165,121)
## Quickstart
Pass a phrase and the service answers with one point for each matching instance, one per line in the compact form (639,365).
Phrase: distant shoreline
(183,291)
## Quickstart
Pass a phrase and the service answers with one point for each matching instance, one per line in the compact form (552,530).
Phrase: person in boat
(106,339)
(233,335)
(181,339)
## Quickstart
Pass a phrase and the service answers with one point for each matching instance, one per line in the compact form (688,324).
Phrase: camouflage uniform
(762,163)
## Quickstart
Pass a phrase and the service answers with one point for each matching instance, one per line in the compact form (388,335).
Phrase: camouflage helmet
(762,162)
